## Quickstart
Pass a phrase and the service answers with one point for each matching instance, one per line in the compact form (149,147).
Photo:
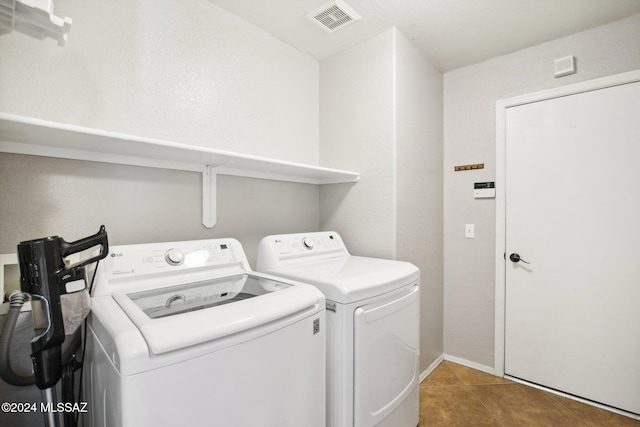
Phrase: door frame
(500,264)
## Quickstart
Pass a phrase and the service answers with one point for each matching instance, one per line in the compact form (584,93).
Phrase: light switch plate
(469,231)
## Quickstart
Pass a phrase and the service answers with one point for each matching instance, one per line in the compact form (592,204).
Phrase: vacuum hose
(16,300)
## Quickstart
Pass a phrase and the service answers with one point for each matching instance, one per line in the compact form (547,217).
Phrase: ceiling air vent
(333,15)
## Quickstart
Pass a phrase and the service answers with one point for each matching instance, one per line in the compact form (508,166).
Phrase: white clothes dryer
(373,318)
(185,334)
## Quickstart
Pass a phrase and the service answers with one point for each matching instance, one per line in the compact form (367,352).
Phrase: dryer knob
(308,243)
(174,257)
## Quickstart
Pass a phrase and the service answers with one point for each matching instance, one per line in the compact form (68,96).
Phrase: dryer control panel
(292,248)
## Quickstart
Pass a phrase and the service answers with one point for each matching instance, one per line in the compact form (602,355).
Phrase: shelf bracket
(209,196)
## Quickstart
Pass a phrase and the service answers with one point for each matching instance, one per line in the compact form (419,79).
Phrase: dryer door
(386,357)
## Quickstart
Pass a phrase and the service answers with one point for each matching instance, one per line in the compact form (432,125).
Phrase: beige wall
(43,196)
(419,210)
(357,133)
(381,114)
(186,72)
(182,71)
(470,95)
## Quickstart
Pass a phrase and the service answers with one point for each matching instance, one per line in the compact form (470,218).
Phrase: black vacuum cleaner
(60,302)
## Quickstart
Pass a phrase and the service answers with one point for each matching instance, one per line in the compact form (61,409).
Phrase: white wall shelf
(25,135)
(34,18)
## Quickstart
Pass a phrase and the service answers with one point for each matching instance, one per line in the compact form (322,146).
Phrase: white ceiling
(450,33)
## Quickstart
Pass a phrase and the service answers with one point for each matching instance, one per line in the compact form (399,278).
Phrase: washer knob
(174,256)
(308,243)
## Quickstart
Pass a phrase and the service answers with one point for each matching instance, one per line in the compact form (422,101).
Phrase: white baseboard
(431,368)
(576,398)
(470,364)
(492,371)
(459,361)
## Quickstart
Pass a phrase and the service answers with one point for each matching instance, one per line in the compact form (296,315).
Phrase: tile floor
(454,395)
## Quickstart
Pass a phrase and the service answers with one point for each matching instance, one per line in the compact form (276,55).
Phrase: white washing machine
(185,334)
(373,318)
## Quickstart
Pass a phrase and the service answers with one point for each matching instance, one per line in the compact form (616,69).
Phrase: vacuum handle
(100,238)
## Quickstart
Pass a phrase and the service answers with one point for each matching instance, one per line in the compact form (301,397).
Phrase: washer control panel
(146,259)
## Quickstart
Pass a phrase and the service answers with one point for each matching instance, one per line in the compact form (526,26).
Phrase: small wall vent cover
(333,15)
(564,66)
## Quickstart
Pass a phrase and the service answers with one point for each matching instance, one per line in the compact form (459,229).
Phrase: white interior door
(572,197)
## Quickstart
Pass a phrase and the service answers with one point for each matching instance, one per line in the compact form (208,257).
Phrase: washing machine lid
(351,278)
(176,317)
